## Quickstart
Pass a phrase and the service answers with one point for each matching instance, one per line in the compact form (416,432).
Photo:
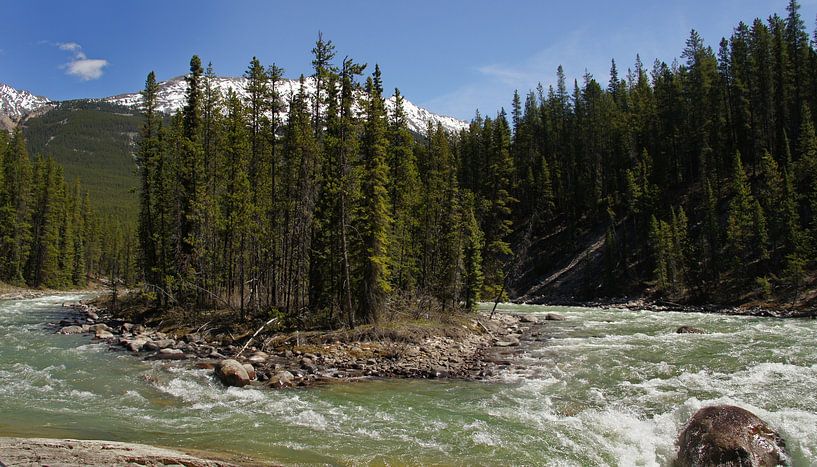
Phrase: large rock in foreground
(726,435)
(232,373)
(40,451)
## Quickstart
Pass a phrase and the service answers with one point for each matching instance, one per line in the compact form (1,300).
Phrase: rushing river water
(609,388)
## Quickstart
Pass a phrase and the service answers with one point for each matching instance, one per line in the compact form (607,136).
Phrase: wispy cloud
(80,65)
(579,52)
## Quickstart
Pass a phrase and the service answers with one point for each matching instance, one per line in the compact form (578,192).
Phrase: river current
(608,387)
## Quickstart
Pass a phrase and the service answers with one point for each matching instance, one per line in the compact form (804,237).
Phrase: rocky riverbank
(43,451)
(473,348)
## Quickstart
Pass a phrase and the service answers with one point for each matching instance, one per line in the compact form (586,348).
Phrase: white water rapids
(606,387)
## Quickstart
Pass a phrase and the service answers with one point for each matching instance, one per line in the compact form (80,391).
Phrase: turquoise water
(609,388)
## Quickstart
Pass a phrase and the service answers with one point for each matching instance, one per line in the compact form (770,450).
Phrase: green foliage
(94,142)
(47,230)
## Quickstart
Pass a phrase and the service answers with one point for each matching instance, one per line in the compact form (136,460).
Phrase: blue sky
(449,56)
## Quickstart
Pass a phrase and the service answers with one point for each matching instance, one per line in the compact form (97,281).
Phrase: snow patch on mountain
(171,98)
(16,104)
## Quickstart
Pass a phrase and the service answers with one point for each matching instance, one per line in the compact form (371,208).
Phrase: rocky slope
(16,104)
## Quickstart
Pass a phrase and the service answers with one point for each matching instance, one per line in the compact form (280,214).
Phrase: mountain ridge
(17,104)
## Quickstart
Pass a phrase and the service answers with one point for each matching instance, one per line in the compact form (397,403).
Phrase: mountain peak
(171,96)
(16,104)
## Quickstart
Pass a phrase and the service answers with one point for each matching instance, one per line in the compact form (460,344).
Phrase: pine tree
(190,175)
(404,191)
(15,210)
(497,221)
(741,230)
(322,55)
(146,159)
(236,200)
(375,220)
(472,254)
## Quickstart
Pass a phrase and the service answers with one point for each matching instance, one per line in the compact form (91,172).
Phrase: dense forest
(696,180)
(94,142)
(50,235)
(699,177)
(325,211)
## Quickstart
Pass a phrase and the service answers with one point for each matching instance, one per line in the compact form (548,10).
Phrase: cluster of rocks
(487,346)
(136,337)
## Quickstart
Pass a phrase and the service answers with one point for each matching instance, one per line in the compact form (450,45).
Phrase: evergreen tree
(15,210)
(375,221)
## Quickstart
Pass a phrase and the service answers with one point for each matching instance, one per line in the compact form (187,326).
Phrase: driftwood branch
(253,336)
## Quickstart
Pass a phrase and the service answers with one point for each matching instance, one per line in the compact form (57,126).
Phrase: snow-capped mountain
(171,98)
(15,103)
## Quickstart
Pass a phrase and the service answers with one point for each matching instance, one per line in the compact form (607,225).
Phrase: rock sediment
(482,349)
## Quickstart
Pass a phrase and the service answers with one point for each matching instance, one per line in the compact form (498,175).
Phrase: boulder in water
(136,345)
(100,327)
(555,317)
(281,379)
(726,435)
(103,334)
(689,330)
(71,330)
(250,370)
(170,354)
(232,373)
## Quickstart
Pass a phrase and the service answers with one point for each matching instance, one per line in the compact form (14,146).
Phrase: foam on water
(608,388)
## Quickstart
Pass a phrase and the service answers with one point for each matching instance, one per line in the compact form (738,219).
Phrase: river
(608,387)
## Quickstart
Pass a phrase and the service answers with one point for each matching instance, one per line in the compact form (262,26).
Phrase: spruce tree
(146,159)
(375,221)
(404,191)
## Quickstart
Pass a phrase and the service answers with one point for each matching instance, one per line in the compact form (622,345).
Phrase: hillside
(94,142)
(93,139)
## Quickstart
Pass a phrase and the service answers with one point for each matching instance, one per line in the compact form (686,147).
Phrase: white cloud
(491,85)
(80,65)
(69,46)
(86,69)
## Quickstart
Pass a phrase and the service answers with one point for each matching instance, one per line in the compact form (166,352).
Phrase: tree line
(49,234)
(700,175)
(321,206)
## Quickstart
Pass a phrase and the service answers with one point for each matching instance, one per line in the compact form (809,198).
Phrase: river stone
(100,327)
(250,370)
(92,315)
(136,345)
(555,317)
(689,330)
(170,354)
(165,343)
(103,334)
(281,379)
(511,342)
(232,373)
(254,358)
(528,319)
(151,346)
(726,435)
(71,330)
